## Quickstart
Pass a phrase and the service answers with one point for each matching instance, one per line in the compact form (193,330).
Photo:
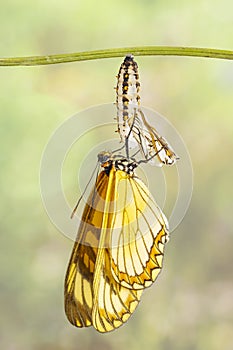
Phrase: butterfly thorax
(125,165)
(108,161)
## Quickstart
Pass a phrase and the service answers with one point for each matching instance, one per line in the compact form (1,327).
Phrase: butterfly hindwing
(114,302)
(137,248)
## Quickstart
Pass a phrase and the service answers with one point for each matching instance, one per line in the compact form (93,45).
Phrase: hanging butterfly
(119,248)
(133,127)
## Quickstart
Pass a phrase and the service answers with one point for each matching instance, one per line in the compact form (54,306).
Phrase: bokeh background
(191,305)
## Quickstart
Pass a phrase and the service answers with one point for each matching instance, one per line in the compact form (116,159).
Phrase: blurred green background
(191,305)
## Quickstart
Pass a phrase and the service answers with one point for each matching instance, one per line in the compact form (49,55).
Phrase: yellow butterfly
(133,127)
(118,250)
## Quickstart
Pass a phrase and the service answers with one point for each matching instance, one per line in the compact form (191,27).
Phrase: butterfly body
(118,251)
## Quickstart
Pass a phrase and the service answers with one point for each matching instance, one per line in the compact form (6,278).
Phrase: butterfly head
(105,158)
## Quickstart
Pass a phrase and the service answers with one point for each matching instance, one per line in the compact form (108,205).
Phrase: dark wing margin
(137,259)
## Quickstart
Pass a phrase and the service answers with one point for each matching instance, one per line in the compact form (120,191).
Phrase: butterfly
(133,127)
(118,250)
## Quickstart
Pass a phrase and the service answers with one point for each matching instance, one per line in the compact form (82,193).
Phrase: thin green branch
(110,53)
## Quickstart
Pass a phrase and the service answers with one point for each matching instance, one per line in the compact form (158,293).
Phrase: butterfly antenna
(94,192)
(79,200)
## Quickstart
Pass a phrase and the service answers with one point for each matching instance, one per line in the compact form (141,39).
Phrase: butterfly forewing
(92,296)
